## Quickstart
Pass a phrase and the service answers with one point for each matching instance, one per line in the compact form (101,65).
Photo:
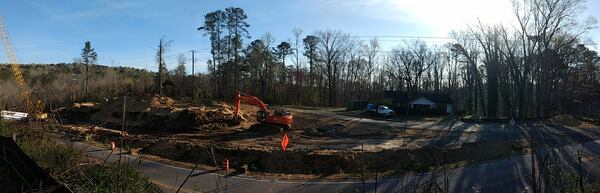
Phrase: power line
(403,36)
(433,37)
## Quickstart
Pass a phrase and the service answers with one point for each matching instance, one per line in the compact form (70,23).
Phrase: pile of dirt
(204,117)
(146,115)
(568,120)
(79,111)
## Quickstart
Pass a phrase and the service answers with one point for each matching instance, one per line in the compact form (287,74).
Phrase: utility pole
(193,77)
(160,68)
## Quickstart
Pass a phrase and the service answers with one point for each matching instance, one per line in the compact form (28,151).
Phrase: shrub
(106,179)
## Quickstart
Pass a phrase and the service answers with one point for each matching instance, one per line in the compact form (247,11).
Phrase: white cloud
(444,16)
(441,16)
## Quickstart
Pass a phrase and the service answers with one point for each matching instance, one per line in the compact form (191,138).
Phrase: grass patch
(53,158)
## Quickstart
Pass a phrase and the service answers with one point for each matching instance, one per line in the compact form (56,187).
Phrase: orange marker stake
(284,142)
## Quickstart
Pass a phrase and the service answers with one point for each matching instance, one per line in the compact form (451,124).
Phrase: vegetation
(106,179)
(68,164)
(498,71)
(537,69)
(59,84)
(88,57)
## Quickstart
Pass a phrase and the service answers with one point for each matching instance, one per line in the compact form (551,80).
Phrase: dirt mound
(571,121)
(146,115)
(79,111)
(219,115)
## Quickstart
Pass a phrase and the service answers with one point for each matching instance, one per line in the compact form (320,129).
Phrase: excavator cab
(265,114)
(261,116)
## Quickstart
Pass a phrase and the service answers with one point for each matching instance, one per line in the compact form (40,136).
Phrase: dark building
(421,103)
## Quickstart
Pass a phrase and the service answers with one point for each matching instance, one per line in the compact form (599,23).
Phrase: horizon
(126,33)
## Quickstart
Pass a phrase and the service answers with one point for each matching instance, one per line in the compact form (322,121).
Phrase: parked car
(378,110)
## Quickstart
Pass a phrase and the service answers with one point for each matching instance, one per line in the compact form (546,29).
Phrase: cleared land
(324,143)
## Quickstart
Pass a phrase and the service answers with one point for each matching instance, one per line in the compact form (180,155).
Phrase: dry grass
(568,120)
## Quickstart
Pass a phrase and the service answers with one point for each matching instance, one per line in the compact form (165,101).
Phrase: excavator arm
(239,97)
(278,117)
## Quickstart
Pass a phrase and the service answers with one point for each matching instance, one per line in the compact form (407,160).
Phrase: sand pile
(145,115)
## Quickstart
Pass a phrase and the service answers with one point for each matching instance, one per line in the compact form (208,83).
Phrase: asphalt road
(502,176)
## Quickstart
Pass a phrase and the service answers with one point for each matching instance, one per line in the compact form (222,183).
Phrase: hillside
(61,83)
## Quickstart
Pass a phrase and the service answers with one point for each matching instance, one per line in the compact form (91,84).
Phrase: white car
(381,110)
(385,111)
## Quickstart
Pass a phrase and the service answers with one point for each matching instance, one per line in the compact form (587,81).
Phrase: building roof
(402,97)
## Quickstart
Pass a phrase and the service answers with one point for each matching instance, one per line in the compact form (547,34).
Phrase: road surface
(502,176)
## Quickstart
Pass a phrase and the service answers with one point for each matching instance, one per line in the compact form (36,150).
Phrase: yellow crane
(35,111)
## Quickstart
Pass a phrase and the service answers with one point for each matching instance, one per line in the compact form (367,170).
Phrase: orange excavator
(265,114)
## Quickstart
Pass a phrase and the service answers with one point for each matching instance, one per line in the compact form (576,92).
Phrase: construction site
(487,108)
(325,143)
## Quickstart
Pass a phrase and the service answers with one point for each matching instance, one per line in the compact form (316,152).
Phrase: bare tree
(297,72)
(332,46)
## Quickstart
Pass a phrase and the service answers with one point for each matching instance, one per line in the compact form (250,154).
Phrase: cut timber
(162,102)
(95,130)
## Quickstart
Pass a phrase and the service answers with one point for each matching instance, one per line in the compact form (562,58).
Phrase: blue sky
(125,33)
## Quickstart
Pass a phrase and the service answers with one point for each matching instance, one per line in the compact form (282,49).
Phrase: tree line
(535,69)
(539,67)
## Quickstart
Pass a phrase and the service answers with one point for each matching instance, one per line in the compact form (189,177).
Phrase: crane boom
(16,70)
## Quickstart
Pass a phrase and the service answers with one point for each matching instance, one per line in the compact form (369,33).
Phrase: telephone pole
(193,77)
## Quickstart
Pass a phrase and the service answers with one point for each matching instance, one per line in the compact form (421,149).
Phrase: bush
(52,157)
(106,179)
(67,164)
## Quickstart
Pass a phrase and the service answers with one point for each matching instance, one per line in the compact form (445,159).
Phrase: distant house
(421,103)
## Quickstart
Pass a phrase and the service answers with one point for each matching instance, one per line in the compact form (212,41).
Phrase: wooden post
(194,96)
